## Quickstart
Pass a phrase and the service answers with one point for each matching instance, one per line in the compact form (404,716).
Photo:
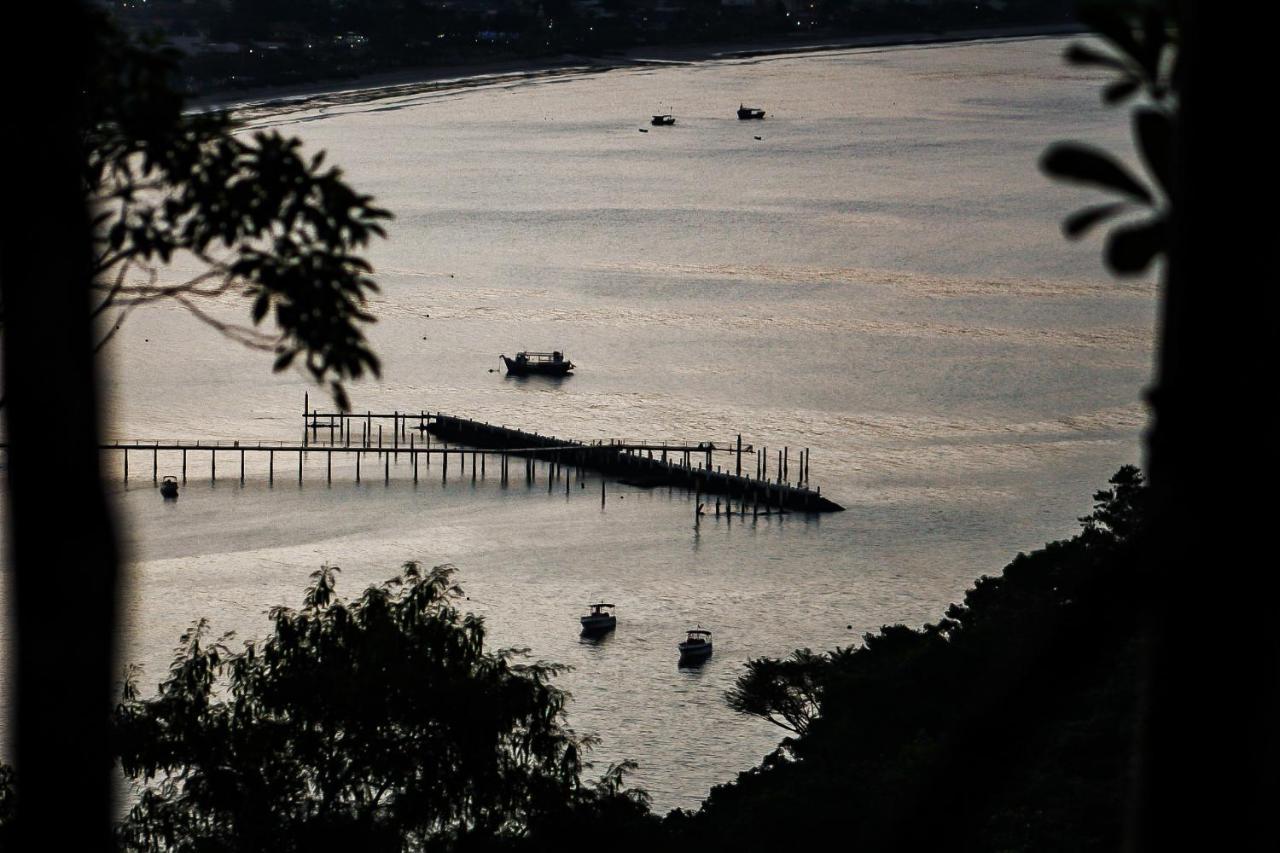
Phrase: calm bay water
(880,277)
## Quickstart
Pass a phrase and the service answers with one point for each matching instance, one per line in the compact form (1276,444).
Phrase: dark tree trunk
(62,555)
(1207,738)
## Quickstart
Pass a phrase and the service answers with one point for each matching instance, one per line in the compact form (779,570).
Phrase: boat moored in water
(600,620)
(663,120)
(749,112)
(696,647)
(169,488)
(538,364)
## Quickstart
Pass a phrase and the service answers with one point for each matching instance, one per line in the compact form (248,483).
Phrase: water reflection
(537,379)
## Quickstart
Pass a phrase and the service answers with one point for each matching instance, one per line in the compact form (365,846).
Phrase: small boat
(599,620)
(169,488)
(697,646)
(663,120)
(538,363)
(749,112)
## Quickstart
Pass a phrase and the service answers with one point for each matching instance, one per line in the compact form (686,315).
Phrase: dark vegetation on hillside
(249,43)
(378,723)
(1006,725)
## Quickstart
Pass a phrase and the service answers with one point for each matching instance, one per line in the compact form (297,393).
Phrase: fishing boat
(169,488)
(663,120)
(538,364)
(749,112)
(600,620)
(696,647)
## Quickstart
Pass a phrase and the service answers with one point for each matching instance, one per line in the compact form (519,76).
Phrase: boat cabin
(697,636)
(749,112)
(540,357)
(601,609)
(548,363)
(663,120)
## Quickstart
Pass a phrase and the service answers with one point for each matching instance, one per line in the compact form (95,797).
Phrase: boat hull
(556,368)
(695,653)
(598,624)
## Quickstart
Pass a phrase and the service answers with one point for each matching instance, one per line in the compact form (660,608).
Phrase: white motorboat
(696,646)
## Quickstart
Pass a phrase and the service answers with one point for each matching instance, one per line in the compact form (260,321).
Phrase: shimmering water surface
(880,278)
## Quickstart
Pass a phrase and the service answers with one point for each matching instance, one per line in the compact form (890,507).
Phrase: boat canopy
(699,632)
(600,605)
(556,356)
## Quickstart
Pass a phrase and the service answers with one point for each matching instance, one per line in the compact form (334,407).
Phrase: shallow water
(880,277)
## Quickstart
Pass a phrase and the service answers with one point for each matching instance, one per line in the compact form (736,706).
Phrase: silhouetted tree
(1119,512)
(111,177)
(1004,726)
(255,216)
(375,724)
(8,807)
(1208,714)
(787,692)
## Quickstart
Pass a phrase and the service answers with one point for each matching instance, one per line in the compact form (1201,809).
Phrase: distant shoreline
(274,96)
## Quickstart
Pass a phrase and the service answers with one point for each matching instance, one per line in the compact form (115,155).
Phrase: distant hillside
(239,44)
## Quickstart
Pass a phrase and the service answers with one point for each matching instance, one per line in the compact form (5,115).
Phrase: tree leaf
(1154,131)
(1085,164)
(1131,249)
(1083,54)
(1078,224)
(1113,24)
(1119,90)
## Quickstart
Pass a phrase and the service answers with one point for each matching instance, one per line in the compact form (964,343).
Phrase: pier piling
(638,464)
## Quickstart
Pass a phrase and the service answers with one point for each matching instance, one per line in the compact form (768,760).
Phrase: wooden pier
(689,466)
(286,459)
(469,446)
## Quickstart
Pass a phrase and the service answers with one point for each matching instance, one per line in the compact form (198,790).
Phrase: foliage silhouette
(788,692)
(112,180)
(255,215)
(1142,38)
(8,806)
(1208,710)
(1004,726)
(382,723)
